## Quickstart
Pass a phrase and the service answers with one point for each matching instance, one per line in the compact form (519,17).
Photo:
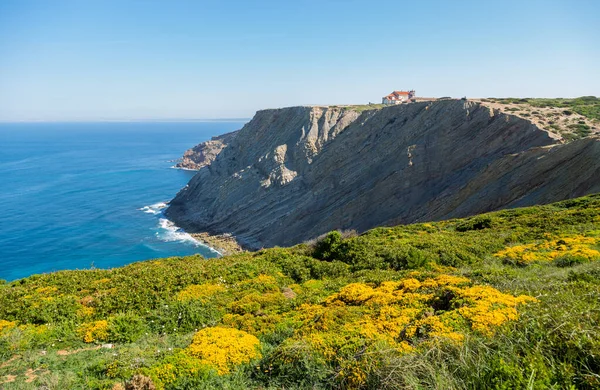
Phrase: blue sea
(83,195)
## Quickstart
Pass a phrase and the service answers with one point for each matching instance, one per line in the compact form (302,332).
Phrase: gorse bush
(224,348)
(504,300)
(563,251)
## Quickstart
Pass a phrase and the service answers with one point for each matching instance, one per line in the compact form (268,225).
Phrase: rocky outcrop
(292,174)
(205,153)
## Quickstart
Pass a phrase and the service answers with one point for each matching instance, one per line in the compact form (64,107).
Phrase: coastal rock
(205,153)
(292,174)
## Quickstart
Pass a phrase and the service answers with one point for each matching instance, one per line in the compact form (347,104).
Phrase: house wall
(387,101)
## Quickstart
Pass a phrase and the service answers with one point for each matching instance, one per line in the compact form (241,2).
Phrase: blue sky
(120,60)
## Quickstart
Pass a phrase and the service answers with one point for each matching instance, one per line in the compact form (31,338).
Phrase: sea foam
(170,232)
(167,231)
(155,208)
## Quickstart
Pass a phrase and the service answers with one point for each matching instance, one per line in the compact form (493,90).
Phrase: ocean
(85,195)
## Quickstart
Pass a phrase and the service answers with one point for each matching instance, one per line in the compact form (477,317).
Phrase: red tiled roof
(396,95)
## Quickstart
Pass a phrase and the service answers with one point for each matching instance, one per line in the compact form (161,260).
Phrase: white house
(398,97)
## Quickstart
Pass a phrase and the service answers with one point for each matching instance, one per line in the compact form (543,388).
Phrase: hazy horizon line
(138,120)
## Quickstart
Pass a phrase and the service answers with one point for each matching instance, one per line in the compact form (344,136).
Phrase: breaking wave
(155,208)
(168,231)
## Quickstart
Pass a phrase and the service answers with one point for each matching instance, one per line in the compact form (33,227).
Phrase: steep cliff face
(205,153)
(292,174)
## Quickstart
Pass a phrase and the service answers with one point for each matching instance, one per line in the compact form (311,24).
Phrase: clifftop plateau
(292,174)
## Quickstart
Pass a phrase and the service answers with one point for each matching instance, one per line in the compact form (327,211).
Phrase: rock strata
(292,174)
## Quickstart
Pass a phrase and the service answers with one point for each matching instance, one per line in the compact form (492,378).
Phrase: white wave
(154,208)
(184,169)
(170,232)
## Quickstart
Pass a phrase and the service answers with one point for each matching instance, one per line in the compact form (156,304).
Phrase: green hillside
(504,300)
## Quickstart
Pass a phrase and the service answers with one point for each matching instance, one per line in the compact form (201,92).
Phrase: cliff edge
(292,174)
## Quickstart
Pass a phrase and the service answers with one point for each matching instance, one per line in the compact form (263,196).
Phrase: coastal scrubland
(571,118)
(504,300)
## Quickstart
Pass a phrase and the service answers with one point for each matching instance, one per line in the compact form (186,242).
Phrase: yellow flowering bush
(224,348)
(23,336)
(400,314)
(93,331)
(199,291)
(408,311)
(255,302)
(100,282)
(46,291)
(487,308)
(549,250)
(6,325)
(85,312)
(445,280)
(175,366)
(261,283)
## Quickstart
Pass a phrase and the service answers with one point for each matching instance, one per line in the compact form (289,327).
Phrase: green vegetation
(588,106)
(504,300)
(364,107)
(581,130)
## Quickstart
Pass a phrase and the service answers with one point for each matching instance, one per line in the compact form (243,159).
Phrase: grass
(502,300)
(365,107)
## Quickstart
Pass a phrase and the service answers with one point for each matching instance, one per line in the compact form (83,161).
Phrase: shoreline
(224,244)
(184,169)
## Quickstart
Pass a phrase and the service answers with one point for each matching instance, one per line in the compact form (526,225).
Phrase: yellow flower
(85,311)
(93,331)
(411,284)
(224,348)
(262,283)
(354,293)
(46,290)
(548,250)
(199,292)
(6,325)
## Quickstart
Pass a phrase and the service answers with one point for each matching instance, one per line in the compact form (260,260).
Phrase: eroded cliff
(205,153)
(292,174)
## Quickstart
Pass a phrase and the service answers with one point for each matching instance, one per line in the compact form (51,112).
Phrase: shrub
(327,247)
(564,251)
(181,317)
(570,260)
(475,223)
(94,331)
(6,325)
(592,276)
(140,382)
(126,328)
(406,257)
(359,319)
(179,367)
(224,348)
(200,292)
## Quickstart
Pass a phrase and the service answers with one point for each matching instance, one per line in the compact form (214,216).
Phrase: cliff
(292,174)
(205,153)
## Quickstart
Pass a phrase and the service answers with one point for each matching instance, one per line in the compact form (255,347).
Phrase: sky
(88,60)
